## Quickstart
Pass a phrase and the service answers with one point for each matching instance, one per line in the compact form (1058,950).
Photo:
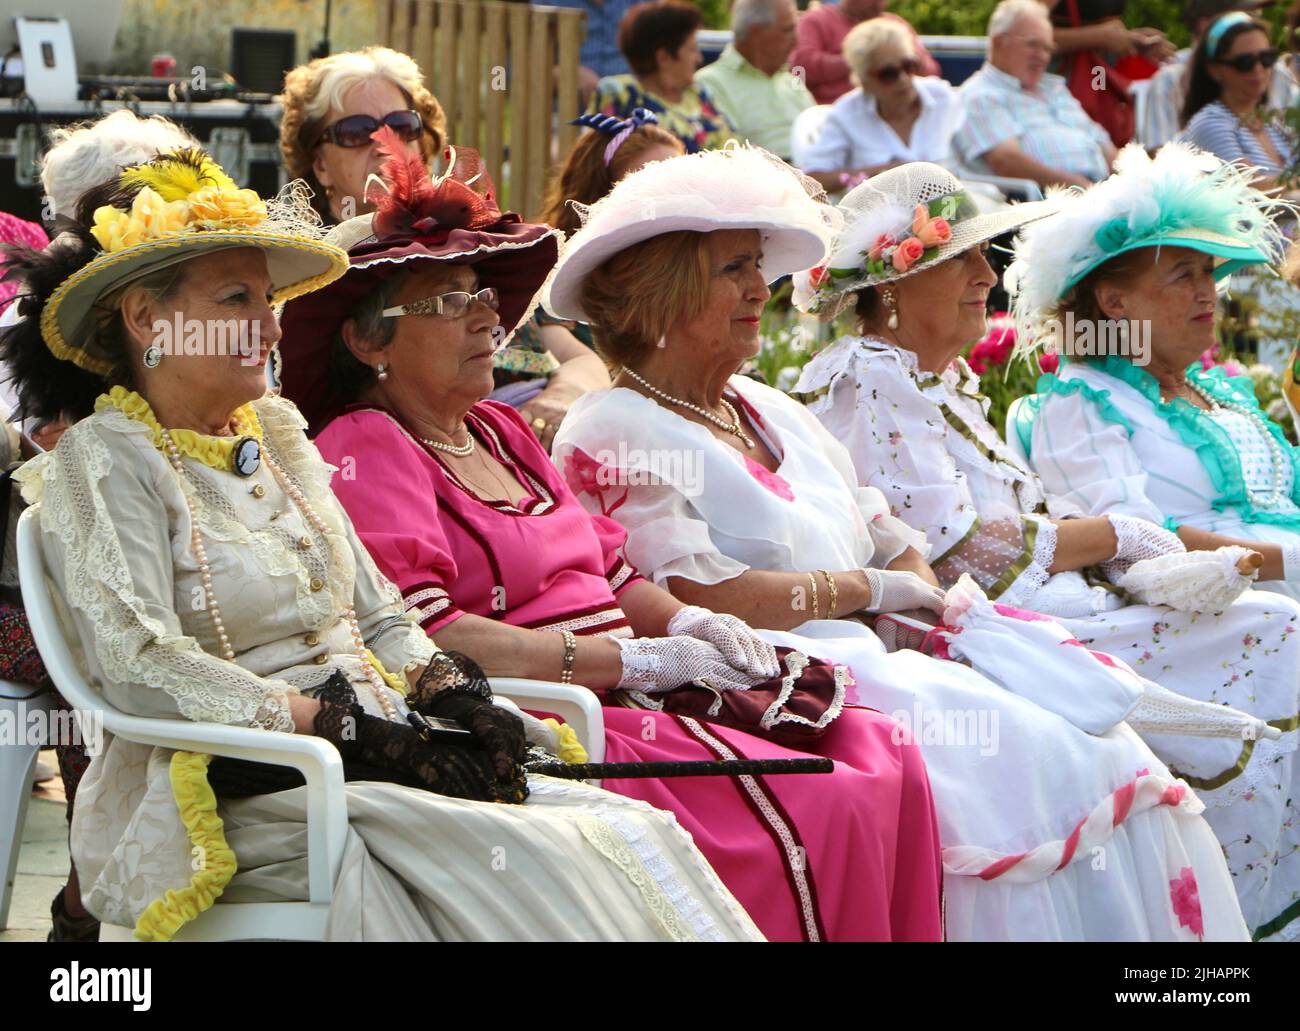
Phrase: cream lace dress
(574,862)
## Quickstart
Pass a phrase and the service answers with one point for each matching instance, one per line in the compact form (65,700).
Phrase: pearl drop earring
(892,304)
(381,372)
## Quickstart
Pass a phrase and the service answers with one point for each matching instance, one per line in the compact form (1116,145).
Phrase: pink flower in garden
(907,253)
(776,484)
(1186,899)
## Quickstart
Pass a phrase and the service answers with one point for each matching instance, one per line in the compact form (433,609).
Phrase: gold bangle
(570,653)
(832,591)
(817,610)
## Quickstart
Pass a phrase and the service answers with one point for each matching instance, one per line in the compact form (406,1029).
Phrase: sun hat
(902,221)
(452,219)
(737,187)
(175,207)
(1183,197)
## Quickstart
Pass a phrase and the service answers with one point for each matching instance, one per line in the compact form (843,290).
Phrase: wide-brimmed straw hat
(176,207)
(453,219)
(1183,197)
(898,223)
(738,187)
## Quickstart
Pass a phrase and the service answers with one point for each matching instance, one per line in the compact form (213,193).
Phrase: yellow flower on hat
(150,218)
(221,206)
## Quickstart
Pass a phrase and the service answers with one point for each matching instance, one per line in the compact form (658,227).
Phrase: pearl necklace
(1276,455)
(460,451)
(376,682)
(732,427)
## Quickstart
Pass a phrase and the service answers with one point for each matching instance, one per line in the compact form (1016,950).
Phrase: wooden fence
(505,73)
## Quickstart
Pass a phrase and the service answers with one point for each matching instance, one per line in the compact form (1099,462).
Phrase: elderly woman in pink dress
(461,508)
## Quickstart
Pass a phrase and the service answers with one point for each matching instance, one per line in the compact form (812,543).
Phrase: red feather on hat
(413,203)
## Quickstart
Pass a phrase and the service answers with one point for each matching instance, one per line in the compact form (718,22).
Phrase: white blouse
(855,136)
(696,508)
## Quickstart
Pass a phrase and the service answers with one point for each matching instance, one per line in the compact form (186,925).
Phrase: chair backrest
(805,130)
(47,629)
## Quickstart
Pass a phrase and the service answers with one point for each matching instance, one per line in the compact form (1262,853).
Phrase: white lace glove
(1138,539)
(739,645)
(897,591)
(655,664)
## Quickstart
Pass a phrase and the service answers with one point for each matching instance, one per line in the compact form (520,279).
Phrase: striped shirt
(1218,130)
(1047,122)
(1159,111)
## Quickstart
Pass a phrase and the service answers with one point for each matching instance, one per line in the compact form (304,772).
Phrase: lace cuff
(274,713)
(1031,579)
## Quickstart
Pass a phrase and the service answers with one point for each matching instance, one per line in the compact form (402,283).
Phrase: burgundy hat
(453,219)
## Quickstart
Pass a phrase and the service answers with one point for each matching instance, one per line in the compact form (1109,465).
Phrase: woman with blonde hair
(333,106)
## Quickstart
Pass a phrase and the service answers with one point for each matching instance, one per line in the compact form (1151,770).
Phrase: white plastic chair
(17,767)
(316,759)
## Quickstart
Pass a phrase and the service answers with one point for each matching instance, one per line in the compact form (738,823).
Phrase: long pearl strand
(1276,455)
(376,682)
(732,427)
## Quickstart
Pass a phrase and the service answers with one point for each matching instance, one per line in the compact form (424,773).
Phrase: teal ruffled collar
(1207,438)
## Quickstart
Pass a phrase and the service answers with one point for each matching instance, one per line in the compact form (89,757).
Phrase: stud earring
(891,303)
(381,372)
(153,356)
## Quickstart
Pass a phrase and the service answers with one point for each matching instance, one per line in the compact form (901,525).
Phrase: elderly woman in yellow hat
(211,575)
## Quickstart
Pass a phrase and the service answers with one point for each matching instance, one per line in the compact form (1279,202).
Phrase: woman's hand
(894,591)
(499,732)
(734,638)
(656,664)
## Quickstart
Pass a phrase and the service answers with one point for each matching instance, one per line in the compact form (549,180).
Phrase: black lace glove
(453,687)
(461,771)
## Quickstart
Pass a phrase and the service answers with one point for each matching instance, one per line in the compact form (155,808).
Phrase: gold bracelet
(831,590)
(817,611)
(570,653)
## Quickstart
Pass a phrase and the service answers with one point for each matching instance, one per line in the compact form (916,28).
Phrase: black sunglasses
(356,130)
(891,72)
(1246,62)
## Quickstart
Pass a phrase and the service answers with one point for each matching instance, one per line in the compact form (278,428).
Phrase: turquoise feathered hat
(1183,197)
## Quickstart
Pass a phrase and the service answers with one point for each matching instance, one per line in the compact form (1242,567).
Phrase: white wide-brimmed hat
(900,222)
(738,187)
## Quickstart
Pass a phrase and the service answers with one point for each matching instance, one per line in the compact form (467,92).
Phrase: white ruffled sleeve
(1087,461)
(107,539)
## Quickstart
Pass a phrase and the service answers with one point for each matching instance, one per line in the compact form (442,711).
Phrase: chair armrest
(315,758)
(576,705)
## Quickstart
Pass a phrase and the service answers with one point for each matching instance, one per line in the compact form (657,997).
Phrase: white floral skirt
(1247,657)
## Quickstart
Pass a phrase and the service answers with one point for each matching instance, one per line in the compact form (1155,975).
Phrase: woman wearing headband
(210,575)
(1230,76)
(735,498)
(908,408)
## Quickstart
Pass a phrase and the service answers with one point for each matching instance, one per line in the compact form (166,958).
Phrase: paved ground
(42,863)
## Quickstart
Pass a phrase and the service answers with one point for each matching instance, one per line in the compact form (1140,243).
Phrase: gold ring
(539,423)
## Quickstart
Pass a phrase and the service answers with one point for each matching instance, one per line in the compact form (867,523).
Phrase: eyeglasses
(356,130)
(1246,62)
(891,72)
(1036,45)
(450,305)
